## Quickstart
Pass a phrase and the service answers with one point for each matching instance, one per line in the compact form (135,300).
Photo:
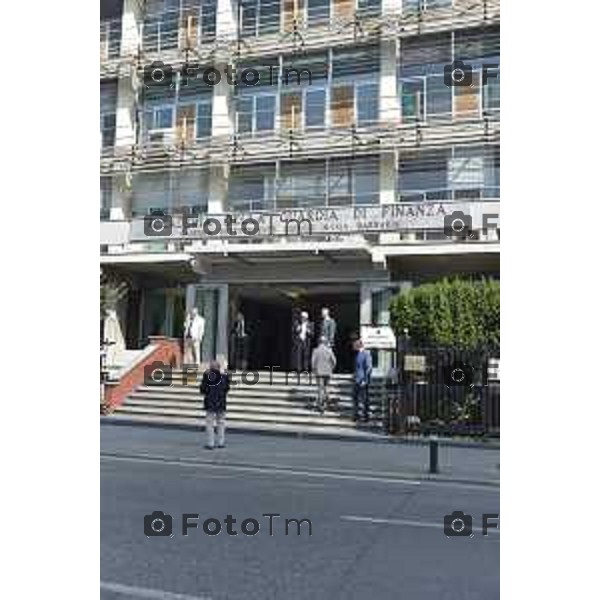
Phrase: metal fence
(444,392)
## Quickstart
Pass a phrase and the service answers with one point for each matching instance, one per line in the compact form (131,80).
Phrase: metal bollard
(433,454)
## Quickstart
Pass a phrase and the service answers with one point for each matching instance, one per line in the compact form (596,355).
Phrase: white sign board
(380,338)
(306,222)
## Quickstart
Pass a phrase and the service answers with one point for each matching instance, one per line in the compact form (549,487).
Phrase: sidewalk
(399,460)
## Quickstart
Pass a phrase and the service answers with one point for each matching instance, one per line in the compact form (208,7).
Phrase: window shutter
(342,106)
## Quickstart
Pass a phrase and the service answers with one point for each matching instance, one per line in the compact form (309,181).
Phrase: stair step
(238,395)
(236,403)
(246,417)
(262,389)
(231,407)
(148,419)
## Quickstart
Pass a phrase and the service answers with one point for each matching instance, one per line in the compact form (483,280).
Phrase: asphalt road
(375,533)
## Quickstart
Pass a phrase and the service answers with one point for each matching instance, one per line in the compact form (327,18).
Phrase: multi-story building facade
(365,137)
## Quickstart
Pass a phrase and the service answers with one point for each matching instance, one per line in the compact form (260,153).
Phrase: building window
(252,188)
(255,113)
(413,99)
(465,173)
(151,192)
(159,122)
(476,47)
(457,173)
(160,31)
(424,96)
(491,96)
(413,6)
(265,112)
(204,119)
(170,191)
(317,11)
(424,176)
(178,23)
(367,103)
(438,97)
(110,38)
(302,185)
(315,102)
(108,128)
(368,8)
(108,116)
(352,182)
(105,197)
(258,17)
(354,89)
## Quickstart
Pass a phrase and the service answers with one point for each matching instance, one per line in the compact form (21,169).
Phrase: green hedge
(452,312)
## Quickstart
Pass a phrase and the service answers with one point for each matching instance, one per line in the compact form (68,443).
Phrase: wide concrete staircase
(277,402)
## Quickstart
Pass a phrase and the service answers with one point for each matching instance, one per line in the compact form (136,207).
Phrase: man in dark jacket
(214,386)
(363,367)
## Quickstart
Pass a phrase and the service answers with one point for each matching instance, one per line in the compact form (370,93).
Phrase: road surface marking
(256,469)
(140,592)
(380,520)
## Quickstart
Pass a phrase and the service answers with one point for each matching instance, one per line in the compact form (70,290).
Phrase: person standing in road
(363,366)
(323,363)
(215,386)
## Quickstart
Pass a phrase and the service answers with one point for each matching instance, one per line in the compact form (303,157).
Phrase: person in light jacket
(328,327)
(215,386)
(193,334)
(323,363)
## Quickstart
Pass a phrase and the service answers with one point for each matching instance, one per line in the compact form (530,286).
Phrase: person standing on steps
(240,346)
(215,386)
(323,364)
(195,330)
(328,327)
(304,335)
(363,366)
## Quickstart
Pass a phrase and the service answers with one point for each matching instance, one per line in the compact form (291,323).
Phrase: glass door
(211,302)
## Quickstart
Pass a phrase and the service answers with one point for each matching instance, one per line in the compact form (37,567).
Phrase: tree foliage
(112,290)
(451,312)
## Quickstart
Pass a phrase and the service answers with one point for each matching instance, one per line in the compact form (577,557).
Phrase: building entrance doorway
(269,310)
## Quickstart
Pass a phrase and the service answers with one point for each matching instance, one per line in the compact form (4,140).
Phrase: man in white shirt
(194,332)
(304,333)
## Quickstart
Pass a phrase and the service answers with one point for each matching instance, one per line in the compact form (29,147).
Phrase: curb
(399,476)
(364,437)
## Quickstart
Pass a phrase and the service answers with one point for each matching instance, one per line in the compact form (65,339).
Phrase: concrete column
(390,114)
(389,103)
(226,19)
(222,344)
(131,26)
(121,197)
(222,108)
(391,6)
(126,97)
(217,188)
(366,304)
